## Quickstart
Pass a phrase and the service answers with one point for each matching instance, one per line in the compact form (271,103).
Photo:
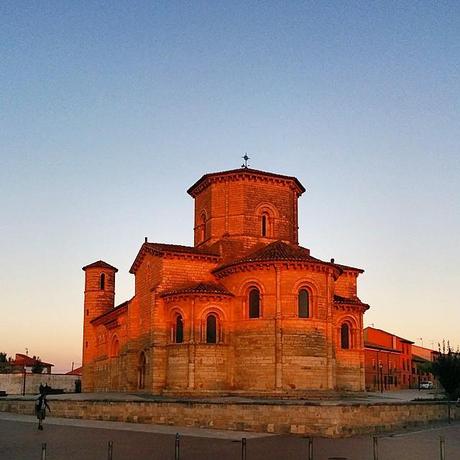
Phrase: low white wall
(13,383)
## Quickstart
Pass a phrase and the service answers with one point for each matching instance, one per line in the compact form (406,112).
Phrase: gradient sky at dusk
(110,110)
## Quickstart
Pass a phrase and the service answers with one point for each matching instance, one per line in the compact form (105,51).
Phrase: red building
(24,362)
(388,360)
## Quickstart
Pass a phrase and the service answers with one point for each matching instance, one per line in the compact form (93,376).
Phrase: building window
(179,330)
(254,303)
(303,304)
(102,281)
(115,347)
(264,224)
(203,226)
(345,336)
(211,329)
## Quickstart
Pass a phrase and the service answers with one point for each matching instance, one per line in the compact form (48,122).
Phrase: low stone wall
(13,383)
(315,419)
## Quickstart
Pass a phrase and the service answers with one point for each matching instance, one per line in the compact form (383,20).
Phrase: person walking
(41,404)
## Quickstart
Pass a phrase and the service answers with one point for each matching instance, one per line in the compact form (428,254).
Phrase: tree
(38,367)
(5,366)
(446,367)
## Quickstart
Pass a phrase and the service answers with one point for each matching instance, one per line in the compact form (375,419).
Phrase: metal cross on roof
(245,158)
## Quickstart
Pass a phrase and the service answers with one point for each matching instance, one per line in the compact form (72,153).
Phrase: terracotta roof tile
(177,248)
(199,288)
(164,248)
(100,264)
(277,250)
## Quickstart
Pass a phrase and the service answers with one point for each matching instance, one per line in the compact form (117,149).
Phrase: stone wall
(326,419)
(13,383)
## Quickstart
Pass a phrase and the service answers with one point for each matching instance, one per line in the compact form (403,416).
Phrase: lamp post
(381,377)
(24,381)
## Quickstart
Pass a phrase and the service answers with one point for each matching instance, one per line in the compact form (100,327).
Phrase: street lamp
(24,380)
(381,376)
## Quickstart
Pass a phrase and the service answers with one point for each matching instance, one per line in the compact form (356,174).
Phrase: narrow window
(102,281)
(303,304)
(254,303)
(264,224)
(211,329)
(203,226)
(141,371)
(345,336)
(179,335)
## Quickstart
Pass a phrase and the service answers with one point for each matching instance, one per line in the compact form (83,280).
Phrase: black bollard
(243,449)
(448,412)
(375,447)
(176,448)
(442,448)
(310,449)
(43,451)
(110,450)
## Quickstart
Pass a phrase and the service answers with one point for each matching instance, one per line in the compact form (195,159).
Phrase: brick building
(246,310)
(388,360)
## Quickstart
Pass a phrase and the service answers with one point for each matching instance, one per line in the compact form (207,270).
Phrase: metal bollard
(375,447)
(243,449)
(310,449)
(110,450)
(176,448)
(442,448)
(43,451)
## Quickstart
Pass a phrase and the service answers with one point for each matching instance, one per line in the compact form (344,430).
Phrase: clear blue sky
(110,110)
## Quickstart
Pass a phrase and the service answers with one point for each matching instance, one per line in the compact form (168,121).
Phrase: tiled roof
(25,360)
(100,264)
(76,371)
(117,309)
(164,248)
(275,251)
(199,288)
(377,346)
(340,299)
(389,333)
(247,172)
(347,267)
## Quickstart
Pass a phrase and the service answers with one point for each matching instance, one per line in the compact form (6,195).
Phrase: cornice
(245,174)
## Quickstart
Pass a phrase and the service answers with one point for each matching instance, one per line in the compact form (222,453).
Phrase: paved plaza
(87,440)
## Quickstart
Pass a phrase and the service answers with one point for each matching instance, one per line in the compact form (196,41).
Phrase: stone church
(245,310)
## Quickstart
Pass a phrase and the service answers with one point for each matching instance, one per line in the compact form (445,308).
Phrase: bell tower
(99,299)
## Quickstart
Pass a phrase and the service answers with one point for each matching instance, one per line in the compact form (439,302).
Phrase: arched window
(179,330)
(264,224)
(345,336)
(211,329)
(254,303)
(102,281)
(115,347)
(303,304)
(141,371)
(203,226)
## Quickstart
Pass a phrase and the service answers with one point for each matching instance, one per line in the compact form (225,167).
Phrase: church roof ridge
(276,251)
(245,171)
(203,287)
(162,248)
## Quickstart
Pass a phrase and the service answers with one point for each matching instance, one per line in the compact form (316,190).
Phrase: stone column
(191,349)
(278,334)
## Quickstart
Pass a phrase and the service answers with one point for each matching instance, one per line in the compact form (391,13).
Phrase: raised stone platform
(313,418)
